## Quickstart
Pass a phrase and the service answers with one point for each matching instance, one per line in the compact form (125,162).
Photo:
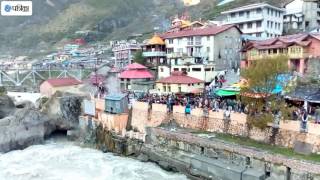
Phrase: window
(268,24)
(164,88)
(258,23)
(233,15)
(271,24)
(248,14)
(175,69)
(179,89)
(196,69)
(184,69)
(307,24)
(241,14)
(271,12)
(161,69)
(170,41)
(208,69)
(259,10)
(258,35)
(274,51)
(268,11)
(208,38)
(249,25)
(169,88)
(208,49)
(241,26)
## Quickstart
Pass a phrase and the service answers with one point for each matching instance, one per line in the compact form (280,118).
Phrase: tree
(259,95)
(138,58)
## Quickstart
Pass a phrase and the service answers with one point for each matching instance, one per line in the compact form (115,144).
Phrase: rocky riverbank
(24,124)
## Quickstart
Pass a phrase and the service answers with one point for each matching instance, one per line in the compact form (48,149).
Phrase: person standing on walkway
(304,121)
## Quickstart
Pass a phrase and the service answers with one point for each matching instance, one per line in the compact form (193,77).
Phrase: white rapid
(66,161)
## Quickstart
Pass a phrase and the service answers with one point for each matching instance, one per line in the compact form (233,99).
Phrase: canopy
(224,92)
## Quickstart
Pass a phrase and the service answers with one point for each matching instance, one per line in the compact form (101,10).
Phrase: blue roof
(115,97)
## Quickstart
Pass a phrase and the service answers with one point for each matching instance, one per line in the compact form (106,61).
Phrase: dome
(156,40)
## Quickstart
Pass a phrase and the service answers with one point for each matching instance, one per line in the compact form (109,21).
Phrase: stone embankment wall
(287,136)
(210,158)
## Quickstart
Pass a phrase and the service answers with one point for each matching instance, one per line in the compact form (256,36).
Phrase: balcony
(154,54)
(243,19)
(175,55)
(199,54)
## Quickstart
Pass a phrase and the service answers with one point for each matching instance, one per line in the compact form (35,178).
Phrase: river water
(61,160)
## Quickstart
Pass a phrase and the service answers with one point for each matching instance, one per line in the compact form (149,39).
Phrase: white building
(202,52)
(124,53)
(258,20)
(302,15)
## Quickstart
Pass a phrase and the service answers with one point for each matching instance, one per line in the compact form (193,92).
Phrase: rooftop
(156,40)
(179,78)
(206,31)
(252,6)
(63,82)
(136,71)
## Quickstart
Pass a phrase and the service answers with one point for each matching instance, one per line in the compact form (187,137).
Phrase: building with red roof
(202,49)
(136,77)
(179,82)
(51,86)
(300,48)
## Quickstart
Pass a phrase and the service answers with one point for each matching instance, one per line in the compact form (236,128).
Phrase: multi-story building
(217,45)
(259,20)
(154,52)
(302,15)
(300,49)
(124,53)
(205,50)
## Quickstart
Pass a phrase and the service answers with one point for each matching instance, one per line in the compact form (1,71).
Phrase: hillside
(56,20)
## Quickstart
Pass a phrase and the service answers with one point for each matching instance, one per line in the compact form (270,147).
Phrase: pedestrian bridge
(33,75)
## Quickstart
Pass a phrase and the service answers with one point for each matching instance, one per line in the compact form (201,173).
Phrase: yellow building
(179,82)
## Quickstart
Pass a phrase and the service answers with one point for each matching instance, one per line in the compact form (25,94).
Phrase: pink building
(300,49)
(51,86)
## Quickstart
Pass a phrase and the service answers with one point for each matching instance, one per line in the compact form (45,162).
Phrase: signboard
(16,8)
(89,107)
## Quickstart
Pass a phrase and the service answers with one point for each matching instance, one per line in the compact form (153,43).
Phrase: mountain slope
(55,20)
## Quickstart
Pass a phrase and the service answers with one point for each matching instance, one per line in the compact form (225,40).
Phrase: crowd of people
(214,104)
(220,104)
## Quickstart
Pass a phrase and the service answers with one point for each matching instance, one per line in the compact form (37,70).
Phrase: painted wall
(288,132)
(185,88)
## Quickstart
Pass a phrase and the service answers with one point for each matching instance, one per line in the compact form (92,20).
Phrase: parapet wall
(288,133)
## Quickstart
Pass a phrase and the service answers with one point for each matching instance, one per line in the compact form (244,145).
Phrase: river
(62,160)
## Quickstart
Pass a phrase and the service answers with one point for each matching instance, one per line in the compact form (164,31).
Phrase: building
(136,77)
(202,50)
(154,52)
(301,15)
(300,48)
(124,53)
(51,86)
(205,73)
(179,82)
(259,20)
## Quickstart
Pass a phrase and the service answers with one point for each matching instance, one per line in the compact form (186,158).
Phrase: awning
(224,93)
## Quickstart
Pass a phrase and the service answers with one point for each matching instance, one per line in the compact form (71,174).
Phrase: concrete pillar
(302,66)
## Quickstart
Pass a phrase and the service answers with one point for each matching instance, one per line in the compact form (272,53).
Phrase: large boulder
(24,125)
(7,106)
